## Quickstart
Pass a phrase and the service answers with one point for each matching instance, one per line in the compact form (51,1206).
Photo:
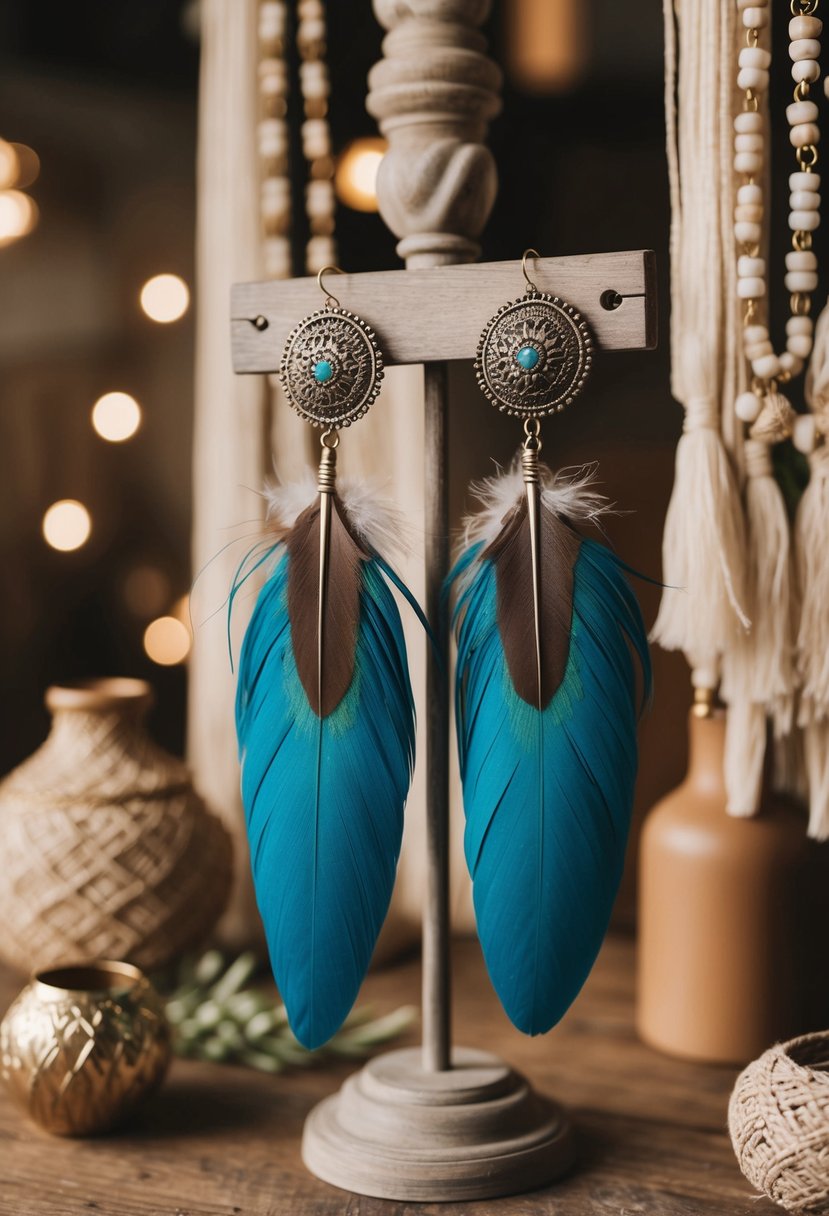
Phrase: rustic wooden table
(221,1141)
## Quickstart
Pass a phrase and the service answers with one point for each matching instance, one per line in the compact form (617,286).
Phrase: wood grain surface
(222,1141)
(433,314)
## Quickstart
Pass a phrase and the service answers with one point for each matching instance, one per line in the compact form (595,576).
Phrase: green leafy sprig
(217,1014)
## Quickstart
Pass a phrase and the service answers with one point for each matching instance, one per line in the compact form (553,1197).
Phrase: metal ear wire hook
(526,254)
(330,301)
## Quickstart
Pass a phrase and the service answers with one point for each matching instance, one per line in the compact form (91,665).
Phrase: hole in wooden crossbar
(610,300)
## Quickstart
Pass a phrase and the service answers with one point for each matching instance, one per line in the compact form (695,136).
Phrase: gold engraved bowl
(82,1044)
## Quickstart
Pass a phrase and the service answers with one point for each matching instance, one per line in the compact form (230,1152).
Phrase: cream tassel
(812,541)
(702,605)
(758,668)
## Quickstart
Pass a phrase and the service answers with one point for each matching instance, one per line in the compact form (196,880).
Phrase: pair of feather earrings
(546,625)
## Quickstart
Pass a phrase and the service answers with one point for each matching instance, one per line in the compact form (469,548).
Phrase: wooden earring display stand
(442,1123)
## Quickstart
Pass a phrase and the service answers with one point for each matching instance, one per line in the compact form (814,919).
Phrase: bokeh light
(355,178)
(67,525)
(165,298)
(18,215)
(116,417)
(9,165)
(167,641)
(28,166)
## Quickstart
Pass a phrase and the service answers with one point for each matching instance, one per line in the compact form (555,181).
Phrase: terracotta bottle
(732,914)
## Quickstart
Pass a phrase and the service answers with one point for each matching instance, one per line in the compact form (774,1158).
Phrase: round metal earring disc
(331,368)
(534,355)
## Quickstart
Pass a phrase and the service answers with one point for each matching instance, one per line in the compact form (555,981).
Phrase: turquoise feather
(547,792)
(323,798)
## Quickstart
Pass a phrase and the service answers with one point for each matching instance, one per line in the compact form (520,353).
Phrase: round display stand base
(476,1131)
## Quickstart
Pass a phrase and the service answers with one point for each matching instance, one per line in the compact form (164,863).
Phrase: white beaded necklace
(770,369)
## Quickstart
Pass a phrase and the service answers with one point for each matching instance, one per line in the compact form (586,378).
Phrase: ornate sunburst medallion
(534,355)
(331,368)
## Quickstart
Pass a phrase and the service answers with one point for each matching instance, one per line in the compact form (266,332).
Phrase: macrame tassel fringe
(758,667)
(811,527)
(813,637)
(703,546)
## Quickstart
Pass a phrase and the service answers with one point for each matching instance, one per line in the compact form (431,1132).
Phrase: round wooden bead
(804,433)
(804,200)
(791,363)
(277,256)
(273,137)
(753,78)
(805,69)
(801,280)
(804,221)
(749,195)
(755,17)
(799,325)
(316,138)
(804,26)
(756,350)
(754,57)
(800,345)
(748,268)
(319,197)
(756,333)
(801,259)
(748,162)
(747,407)
(766,367)
(801,111)
(804,133)
(273,78)
(748,143)
(751,289)
(804,181)
(314,80)
(804,48)
(320,252)
(748,121)
(747,233)
(751,213)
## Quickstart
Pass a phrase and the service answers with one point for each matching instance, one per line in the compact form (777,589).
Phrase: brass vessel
(81,1045)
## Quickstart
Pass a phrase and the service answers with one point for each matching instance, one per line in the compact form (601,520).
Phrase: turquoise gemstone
(527,357)
(323,371)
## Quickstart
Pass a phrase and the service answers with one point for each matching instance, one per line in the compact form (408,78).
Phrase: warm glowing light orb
(9,165)
(18,215)
(167,641)
(67,525)
(165,298)
(355,179)
(116,417)
(28,166)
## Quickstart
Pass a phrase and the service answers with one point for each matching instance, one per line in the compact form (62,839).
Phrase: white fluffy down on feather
(375,519)
(569,493)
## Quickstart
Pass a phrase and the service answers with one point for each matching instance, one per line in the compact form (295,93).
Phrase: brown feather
(341,617)
(511,552)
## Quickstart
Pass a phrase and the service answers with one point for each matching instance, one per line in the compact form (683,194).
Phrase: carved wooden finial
(433,95)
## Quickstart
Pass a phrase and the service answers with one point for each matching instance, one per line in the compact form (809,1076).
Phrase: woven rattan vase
(107,851)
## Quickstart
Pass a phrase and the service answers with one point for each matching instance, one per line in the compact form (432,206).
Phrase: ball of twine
(778,1117)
